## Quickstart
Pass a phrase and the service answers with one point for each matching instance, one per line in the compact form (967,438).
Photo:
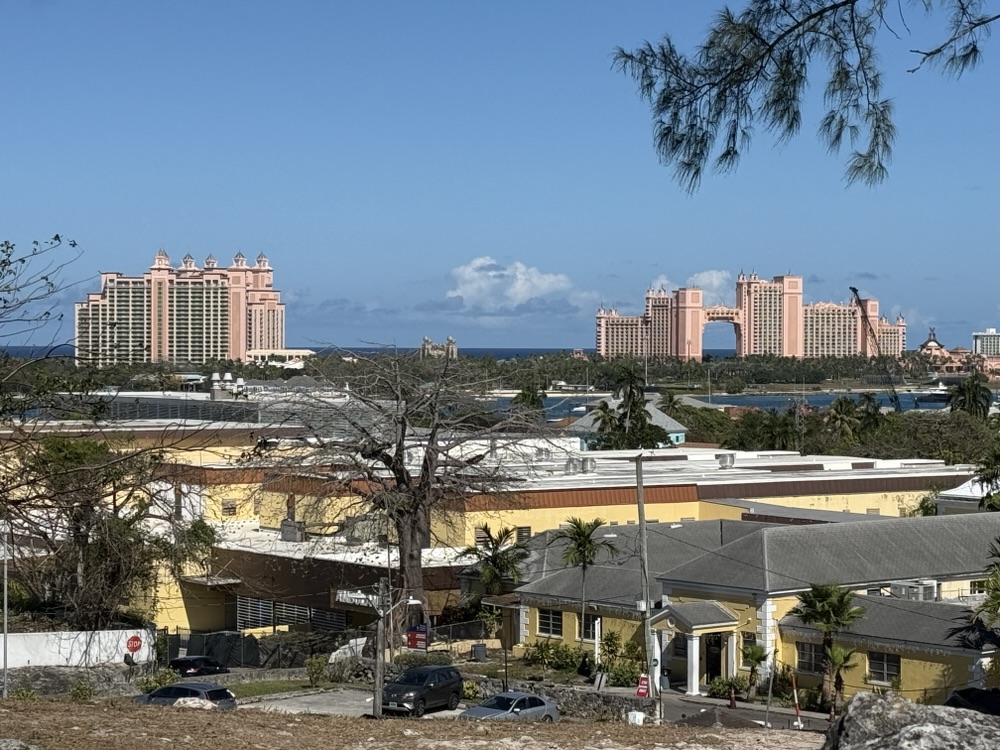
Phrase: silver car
(514,705)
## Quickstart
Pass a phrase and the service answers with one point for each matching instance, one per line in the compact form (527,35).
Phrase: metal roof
(790,558)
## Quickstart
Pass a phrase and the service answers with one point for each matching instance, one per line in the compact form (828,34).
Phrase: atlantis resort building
(769,318)
(181,315)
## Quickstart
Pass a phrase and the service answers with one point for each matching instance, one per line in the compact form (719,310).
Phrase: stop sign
(133,644)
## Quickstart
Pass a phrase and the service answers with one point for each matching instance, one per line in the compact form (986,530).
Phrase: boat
(939,394)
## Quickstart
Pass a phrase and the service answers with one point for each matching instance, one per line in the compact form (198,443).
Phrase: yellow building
(738,588)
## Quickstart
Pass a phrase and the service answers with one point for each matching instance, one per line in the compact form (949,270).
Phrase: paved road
(336,702)
(348,702)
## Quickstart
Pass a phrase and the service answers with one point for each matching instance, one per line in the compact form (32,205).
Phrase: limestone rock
(15,745)
(194,703)
(890,722)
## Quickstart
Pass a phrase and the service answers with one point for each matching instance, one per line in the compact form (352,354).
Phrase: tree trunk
(583,599)
(826,694)
(413,531)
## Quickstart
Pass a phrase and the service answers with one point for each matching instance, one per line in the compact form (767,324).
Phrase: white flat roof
(247,536)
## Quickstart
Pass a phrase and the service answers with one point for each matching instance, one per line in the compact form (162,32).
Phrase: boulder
(890,722)
(194,703)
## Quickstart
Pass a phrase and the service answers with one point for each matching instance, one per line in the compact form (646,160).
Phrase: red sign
(416,638)
(133,644)
(642,691)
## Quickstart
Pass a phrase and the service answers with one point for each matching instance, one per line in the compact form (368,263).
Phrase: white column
(658,656)
(732,656)
(694,663)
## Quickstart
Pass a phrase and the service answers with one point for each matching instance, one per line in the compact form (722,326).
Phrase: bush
(419,659)
(624,674)
(470,690)
(23,694)
(316,669)
(549,655)
(157,679)
(82,691)
(723,687)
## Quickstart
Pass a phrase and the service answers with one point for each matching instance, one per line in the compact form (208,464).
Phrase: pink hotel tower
(182,315)
(769,318)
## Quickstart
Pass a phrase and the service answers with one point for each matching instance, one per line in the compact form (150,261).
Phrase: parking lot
(341,702)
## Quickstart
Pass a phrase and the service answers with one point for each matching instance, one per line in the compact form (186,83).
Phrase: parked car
(983,700)
(514,705)
(421,688)
(197,666)
(170,694)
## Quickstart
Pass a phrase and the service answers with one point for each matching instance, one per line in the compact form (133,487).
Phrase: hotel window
(882,667)
(550,622)
(809,657)
(589,627)
(747,639)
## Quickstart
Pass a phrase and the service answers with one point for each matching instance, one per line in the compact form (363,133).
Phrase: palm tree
(972,395)
(989,609)
(870,412)
(839,659)
(830,609)
(499,559)
(754,655)
(582,550)
(842,417)
(781,430)
(988,478)
(606,418)
(529,398)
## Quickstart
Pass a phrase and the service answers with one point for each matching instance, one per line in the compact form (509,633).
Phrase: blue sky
(467,169)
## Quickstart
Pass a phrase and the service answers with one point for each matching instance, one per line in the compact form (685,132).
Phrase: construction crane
(874,347)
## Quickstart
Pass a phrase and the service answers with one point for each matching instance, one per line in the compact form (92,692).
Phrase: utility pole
(651,657)
(6,550)
(381,608)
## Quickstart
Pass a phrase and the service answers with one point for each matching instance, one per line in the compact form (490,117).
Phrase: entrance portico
(708,630)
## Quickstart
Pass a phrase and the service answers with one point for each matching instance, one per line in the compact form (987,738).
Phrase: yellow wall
(178,604)
(923,677)
(627,628)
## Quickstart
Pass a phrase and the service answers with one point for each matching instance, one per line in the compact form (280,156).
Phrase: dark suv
(422,688)
(197,666)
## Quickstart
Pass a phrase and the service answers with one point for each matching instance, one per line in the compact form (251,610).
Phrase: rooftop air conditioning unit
(726,460)
(915,591)
(572,466)
(589,465)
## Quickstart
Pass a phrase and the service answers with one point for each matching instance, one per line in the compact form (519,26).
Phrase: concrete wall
(76,649)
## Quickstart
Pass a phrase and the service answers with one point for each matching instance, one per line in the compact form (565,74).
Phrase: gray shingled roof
(906,624)
(615,581)
(790,558)
(700,614)
(588,422)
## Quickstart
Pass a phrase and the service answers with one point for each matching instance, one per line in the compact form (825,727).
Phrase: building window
(809,657)
(523,534)
(979,587)
(229,507)
(873,511)
(550,622)
(589,628)
(873,592)
(883,667)
(748,639)
(481,537)
(680,647)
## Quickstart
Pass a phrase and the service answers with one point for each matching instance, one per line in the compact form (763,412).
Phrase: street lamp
(380,603)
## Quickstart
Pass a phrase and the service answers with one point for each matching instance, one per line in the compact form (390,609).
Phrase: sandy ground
(120,724)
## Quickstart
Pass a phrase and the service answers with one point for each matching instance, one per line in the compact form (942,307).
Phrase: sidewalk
(778,717)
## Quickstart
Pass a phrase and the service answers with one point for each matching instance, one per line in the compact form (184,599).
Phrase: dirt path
(51,725)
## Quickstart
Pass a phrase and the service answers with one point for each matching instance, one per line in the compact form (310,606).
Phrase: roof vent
(726,460)
(572,466)
(589,465)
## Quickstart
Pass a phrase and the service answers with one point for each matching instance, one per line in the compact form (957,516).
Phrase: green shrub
(470,690)
(420,658)
(23,694)
(81,691)
(723,687)
(539,653)
(316,669)
(157,679)
(624,674)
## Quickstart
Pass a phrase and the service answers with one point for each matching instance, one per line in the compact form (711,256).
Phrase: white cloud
(717,286)
(486,285)
(662,282)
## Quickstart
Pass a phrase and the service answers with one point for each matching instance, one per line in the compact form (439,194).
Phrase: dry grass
(52,725)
